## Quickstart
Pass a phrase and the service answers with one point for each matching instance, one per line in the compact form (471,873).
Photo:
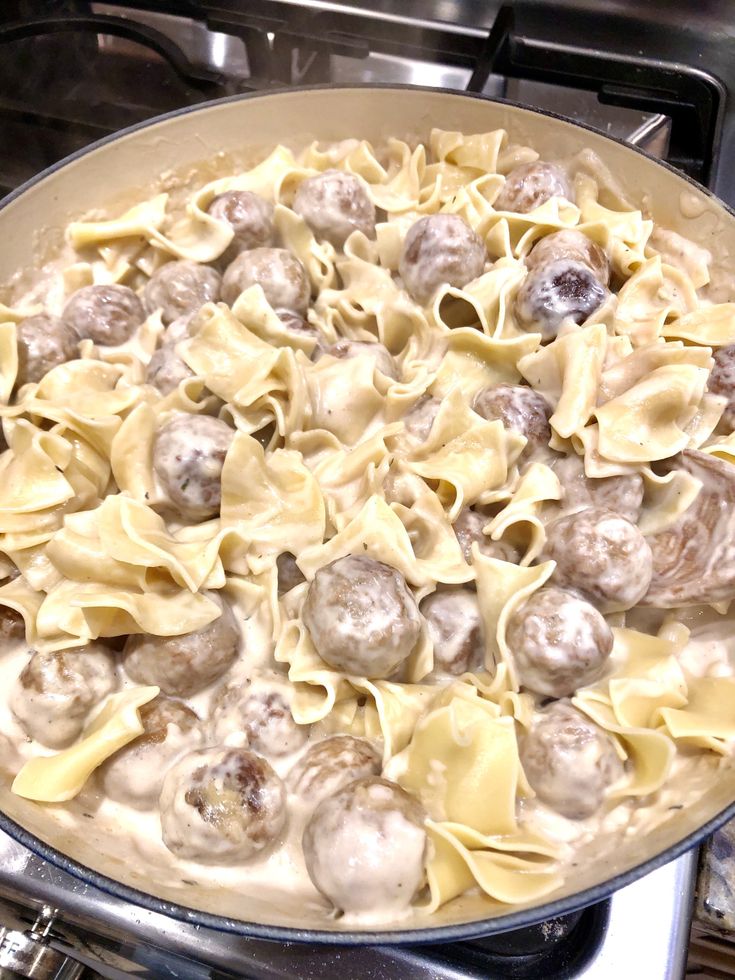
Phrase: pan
(210,140)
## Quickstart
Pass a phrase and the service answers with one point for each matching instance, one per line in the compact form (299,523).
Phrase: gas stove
(71,71)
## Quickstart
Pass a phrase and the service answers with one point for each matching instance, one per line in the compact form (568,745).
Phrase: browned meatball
(600,554)
(181,289)
(440,249)
(166,370)
(420,417)
(334,204)
(364,847)
(260,711)
(552,293)
(221,805)
(559,642)
(188,455)
(569,761)
(381,356)
(570,244)
(44,342)
(331,764)
(289,573)
(362,617)
(722,382)
(12,626)
(108,315)
(280,275)
(296,324)
(134,774)
(455,627)
(519,408)
(622,494)
(249,216)
(56,691)
(469,529)
(530,185)
(186,664)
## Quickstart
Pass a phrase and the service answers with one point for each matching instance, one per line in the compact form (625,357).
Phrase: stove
(71,71)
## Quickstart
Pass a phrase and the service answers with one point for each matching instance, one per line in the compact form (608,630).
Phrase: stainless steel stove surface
(660,76)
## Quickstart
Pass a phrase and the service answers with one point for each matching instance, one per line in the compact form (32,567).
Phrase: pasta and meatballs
(369,497)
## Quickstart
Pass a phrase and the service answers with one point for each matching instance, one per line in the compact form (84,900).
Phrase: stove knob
(28,955)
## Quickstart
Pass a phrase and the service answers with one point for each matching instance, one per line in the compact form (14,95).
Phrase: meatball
(552,293)
(420,417)
(455,627)
(469,529)
(289,573)
(364,847)
(249,216)
(569,761)
(56,691)
(259,710)
(381,356)
(722,382)
(166,370)
(180,289)
(134,774)
(570,244)
(361,616)
(12,626)
(183,665)
(440,249)
(280,275)
(530,185)
(221,805)
(600,554)
(331,764)
(519,408)
(559,642)
(334,204)
(622,494)
(188,455)
(108,315)
(44,342)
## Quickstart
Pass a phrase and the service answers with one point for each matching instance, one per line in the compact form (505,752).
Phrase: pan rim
(426,935)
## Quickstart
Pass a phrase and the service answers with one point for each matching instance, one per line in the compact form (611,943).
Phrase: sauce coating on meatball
(519,408)
(134,774)
(249,216)
(570,244)
(552,293)
(622,494)
(44,342)
(185,664)
(364,847)
(440,249)
(722,382)
(469,530)
(181,289)
(331,764)
(188,456)
(420,417)
(56,691)
(289,573)
(600,554)
(334,204)
(530,185)
(455,627)
(279,274)
(569,761)
(559,642)
(362,617)
(108,315)
(259,711)
(166,370)
(381,356)
(221,805)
